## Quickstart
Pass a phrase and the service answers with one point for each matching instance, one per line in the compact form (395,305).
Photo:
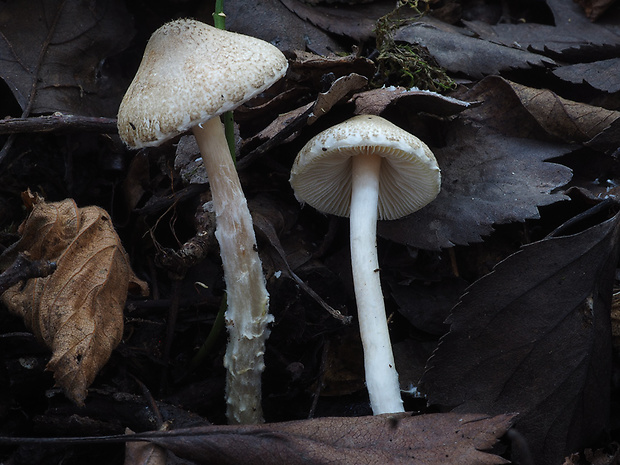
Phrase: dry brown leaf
(375,101)
(373,440)
(339,89)
(286,125)
(78,310)
(309,69)
(569,120)
(144,453)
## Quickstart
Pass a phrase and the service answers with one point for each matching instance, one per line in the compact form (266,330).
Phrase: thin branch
(58,123)
(23,269)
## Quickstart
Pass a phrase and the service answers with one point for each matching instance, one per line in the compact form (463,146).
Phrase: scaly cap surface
(192,72)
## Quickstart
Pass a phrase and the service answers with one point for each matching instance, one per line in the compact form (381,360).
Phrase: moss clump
(404,64)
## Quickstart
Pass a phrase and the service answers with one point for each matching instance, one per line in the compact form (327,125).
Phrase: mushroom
(368,168)
(190,74)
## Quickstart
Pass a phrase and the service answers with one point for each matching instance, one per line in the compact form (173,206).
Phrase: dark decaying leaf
(144,453)
(534,337)
(376,101)
(339,89)
(427,305)
(266,230)
(610,137)
(273,22)
(287,125)
(62,46)
(573,35)
(78,310)
(570,18)
(608,455)
(567,120)
(503,111)
(188,162)
(515,109)
(481,49)
(354,21)
(309,69)
(595,8)
(458,52)
(602,75)
(493,171)
(487,178)
(377,440)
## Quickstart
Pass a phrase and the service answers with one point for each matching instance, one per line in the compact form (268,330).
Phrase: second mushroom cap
(409,177)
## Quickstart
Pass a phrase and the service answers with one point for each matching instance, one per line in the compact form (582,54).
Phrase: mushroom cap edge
(410,176)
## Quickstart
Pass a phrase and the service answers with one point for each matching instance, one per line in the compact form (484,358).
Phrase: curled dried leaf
(78,310)
(567,120)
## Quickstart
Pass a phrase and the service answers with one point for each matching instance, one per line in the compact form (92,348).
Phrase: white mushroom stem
(247,314)
(381,375)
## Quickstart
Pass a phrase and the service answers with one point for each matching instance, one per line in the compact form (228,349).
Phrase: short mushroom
(368,168)
(190,74)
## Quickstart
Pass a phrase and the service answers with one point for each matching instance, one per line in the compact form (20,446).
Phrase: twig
(298,123)
(58,123)
(23,269)
(151,401)
(162,203)
(264,227)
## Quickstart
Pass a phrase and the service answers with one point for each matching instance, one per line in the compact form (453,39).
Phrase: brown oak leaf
(78,310)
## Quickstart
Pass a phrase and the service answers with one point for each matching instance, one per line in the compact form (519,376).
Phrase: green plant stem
(219,21)
(219,18)
(214,334)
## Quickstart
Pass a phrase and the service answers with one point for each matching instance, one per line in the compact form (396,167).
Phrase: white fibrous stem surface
(247,314)
(381,376)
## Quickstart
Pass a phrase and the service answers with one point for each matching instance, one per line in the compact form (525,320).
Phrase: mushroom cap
(409,177)
(191,72)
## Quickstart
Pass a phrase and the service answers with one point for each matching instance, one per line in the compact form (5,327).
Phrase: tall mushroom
(368,168)
(190,74)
